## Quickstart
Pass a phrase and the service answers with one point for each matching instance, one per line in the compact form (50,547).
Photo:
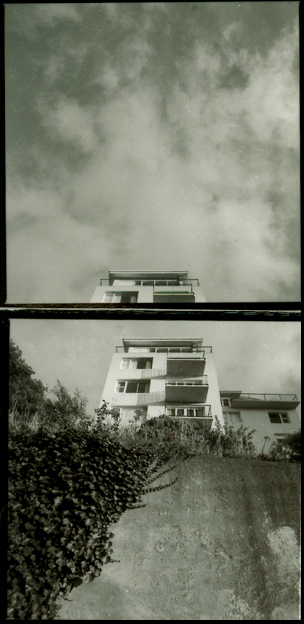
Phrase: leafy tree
(26,395)
(65,410)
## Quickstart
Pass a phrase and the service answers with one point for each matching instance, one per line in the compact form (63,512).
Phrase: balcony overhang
(173,297)
(141,275)
(191,343)
(186,367)
(269,404)
(184,393)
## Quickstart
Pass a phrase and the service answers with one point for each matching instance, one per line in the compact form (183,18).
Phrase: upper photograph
(152,153)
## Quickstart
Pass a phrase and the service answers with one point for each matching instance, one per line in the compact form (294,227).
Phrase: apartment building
(129,287)
(272,415)
(176,377)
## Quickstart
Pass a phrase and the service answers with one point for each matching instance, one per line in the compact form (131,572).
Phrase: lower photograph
(153,469)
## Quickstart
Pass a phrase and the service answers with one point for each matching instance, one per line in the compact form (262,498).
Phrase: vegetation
(287,449)
(71,477)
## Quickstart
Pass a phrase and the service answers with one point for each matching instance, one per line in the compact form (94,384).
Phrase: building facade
(129,287)
(273,416)
(176,377)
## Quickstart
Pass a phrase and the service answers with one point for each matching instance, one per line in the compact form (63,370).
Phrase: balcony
(192,365)
(264,401)
(155,283)
(132,399)
(187,391)
(201,413)
(171,351)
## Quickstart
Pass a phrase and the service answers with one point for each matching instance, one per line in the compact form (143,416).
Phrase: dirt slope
(220,544)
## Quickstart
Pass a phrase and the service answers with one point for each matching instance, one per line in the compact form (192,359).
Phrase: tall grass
(186,436)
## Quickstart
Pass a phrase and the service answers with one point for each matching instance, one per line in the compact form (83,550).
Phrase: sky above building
(153,136)
(251,356)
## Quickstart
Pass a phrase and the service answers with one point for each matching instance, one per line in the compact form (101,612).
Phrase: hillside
(221,543)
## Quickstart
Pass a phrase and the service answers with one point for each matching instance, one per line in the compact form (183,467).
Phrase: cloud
(163,151)
(68,121)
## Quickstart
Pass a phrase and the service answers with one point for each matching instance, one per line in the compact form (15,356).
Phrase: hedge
(65,491)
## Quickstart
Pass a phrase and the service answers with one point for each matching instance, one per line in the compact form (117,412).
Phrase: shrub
(65,490)
(287,449)
(174,435)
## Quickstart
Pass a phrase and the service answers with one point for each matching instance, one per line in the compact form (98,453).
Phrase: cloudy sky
(152,136)
(252,356)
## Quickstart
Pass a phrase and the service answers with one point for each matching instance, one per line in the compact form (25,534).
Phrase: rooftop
(160,342)
(143,274)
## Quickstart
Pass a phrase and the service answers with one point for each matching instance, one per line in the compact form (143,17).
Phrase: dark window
(143,363)
(278,417)
(138,386)
(128,297)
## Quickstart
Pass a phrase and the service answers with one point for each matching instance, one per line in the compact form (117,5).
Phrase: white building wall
(259,419)
(130,402)
(145,293)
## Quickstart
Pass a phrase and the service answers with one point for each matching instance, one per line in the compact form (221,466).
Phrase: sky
(250,356)
(152,136)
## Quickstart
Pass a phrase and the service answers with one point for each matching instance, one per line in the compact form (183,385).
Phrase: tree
(26,395)
(66,409)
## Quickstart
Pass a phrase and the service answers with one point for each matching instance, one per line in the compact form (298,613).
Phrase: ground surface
(220,544)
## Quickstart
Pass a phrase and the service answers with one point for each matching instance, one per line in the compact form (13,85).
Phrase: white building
(272,415)
(128,287)
(176,377)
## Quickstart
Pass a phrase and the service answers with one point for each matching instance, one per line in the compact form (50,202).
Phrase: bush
(65,490)
(288,449)
(194,436)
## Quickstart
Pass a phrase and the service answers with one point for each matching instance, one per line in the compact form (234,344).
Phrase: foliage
(26,395)
(65,409)
(65,490)
(173,435)
(287,449)
(30,406)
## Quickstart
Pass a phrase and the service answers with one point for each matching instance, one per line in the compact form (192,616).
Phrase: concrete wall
(222,543)
(258,419)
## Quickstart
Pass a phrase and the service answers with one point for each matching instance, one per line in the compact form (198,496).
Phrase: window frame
(281,416)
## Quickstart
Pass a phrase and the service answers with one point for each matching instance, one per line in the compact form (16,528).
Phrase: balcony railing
(189,411)
(146,398)
(172,381)
(180,288)
(149,282)
(250,396)
(168,350)
(147,373)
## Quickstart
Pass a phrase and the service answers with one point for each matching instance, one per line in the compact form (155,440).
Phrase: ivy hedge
(66,489)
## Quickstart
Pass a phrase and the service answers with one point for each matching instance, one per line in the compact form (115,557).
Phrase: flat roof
(174,342)
(143,274)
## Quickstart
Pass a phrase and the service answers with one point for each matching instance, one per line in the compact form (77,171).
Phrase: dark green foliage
(287,449)
(65,490)
(26,395)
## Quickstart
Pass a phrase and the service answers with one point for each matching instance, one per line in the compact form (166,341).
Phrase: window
(234,418)
(121,386)
(278,417)
(120,297)
(140,363)
(133,386)
(226,402)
